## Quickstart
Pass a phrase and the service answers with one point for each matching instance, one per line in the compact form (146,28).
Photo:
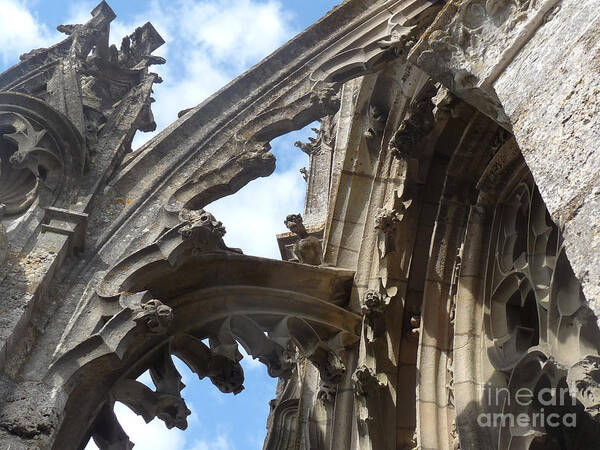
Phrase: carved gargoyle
(304,172)
(399,40)
(444,102)
(327,96)
(165,403)
(386,223)
(377,120)
(155,316)
(203,230)
(418,122)
(226,374)
(152,314)
(169,408)
(366,385)
(374,303)
(308,248)
(366,382)
(327,392)
(306,147)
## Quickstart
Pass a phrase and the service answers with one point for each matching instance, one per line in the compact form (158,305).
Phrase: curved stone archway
(190,296)
(521,64)
(505,317)
(522,322)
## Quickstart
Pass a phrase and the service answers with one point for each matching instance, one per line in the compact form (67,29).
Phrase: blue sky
(209,42)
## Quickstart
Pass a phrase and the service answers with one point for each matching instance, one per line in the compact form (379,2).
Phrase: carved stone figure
(417,123)
(308,248)
(377,120)
(202,229)
(374,303)
(155,316)
(304,173)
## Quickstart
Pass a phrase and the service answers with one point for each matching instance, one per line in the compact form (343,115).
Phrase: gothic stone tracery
(445,264)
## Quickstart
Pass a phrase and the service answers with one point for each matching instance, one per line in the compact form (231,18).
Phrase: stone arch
(456,179)
(493,321)
(169,297)
(493,351)
(42,159)
(483,52)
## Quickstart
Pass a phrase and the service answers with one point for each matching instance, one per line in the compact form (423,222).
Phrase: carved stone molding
(279,312)
(39,148)
(472,42)
(366,386)
(208,163)
(389,34)
(197,232)
(142,320)
(537,330)
(417,123)
(283,425)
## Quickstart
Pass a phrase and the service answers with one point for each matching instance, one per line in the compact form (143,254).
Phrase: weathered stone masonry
(448,249)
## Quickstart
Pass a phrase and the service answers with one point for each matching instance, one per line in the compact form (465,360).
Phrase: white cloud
(208,43)
(151,436)
(236,31)
(248,363)
(254,215)
(201,78)
(21,31)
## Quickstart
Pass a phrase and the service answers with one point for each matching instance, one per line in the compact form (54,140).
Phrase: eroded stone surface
(432,264)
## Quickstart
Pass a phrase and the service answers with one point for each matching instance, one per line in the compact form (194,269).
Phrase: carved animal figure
(308,248)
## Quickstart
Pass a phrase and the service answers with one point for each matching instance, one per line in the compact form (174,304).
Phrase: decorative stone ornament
(155,316)
(308,248)
(447,251)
